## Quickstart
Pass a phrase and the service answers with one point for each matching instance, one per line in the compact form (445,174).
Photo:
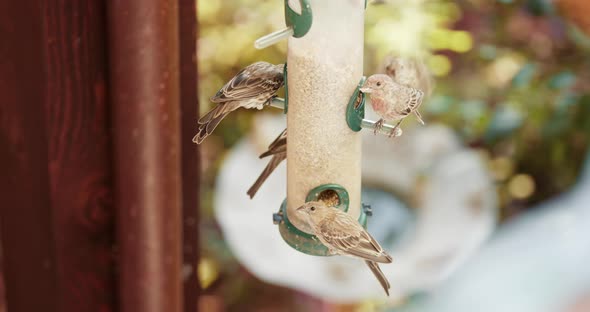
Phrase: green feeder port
(355,115)
(285,85)
(301,23)
(355,111)
(298,24)
(280,102)
(331,194)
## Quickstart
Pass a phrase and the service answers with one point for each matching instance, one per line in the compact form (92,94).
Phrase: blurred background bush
(512,80)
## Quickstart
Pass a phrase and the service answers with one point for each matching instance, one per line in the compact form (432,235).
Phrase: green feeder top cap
(301,23)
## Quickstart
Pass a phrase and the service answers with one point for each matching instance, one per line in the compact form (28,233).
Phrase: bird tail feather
(207,127)
(370,255)
(270,167)
(379,275)
(210,115)
(419,117)
(266,154)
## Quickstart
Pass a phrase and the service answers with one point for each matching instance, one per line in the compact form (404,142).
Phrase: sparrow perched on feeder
(343,235)
(410,72)
(392,100)
(253,87)
(278,150)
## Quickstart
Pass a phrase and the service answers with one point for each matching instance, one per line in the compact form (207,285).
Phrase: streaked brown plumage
(253,87)
(343,235)
(410,72)
(278,150)
(391,100)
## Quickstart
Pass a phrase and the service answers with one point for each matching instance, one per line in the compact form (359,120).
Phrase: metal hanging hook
(298,24)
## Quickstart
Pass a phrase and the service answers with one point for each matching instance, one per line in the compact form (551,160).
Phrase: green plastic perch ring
(355,113)
(343,198)
(301,23)
(308,243)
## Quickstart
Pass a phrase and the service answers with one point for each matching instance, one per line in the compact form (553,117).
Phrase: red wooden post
(144,58)
(59,218)
(190,153)
(78,131)
(27,236)
(57,181)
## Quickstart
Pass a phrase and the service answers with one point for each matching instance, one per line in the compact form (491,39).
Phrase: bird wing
(347,236)
(252,81)
(425,81)
(406,99)
(279,145)
(416,97)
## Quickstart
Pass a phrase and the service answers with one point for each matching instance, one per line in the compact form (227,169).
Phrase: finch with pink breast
(392,100)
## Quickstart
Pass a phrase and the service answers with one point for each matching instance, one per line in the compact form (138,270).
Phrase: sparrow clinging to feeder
(391,100)
(343,235)
(278,150)
(253,87)
(410,72)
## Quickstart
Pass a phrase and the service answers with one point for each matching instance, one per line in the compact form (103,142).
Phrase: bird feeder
(325,65)
(325,112)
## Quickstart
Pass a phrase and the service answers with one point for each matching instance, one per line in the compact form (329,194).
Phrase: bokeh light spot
(207,10)
(521,186)
(461,41)
(502,168)
(439,64)
(208,272)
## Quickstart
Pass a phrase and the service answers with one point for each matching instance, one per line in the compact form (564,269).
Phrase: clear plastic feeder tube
(325,66)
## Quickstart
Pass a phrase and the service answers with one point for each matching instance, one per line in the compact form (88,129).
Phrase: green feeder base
(308,243)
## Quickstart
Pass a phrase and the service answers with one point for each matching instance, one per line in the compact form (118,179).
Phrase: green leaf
(504,121)
(524,76)
(562,80)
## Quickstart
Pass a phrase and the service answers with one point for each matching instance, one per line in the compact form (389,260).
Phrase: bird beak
(300,208)
(365,90)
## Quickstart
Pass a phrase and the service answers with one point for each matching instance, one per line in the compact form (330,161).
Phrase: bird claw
(378,126)
(396,131)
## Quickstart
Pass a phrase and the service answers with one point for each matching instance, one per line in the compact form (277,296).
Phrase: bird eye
(408,110)
(312,208)
(378,83)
